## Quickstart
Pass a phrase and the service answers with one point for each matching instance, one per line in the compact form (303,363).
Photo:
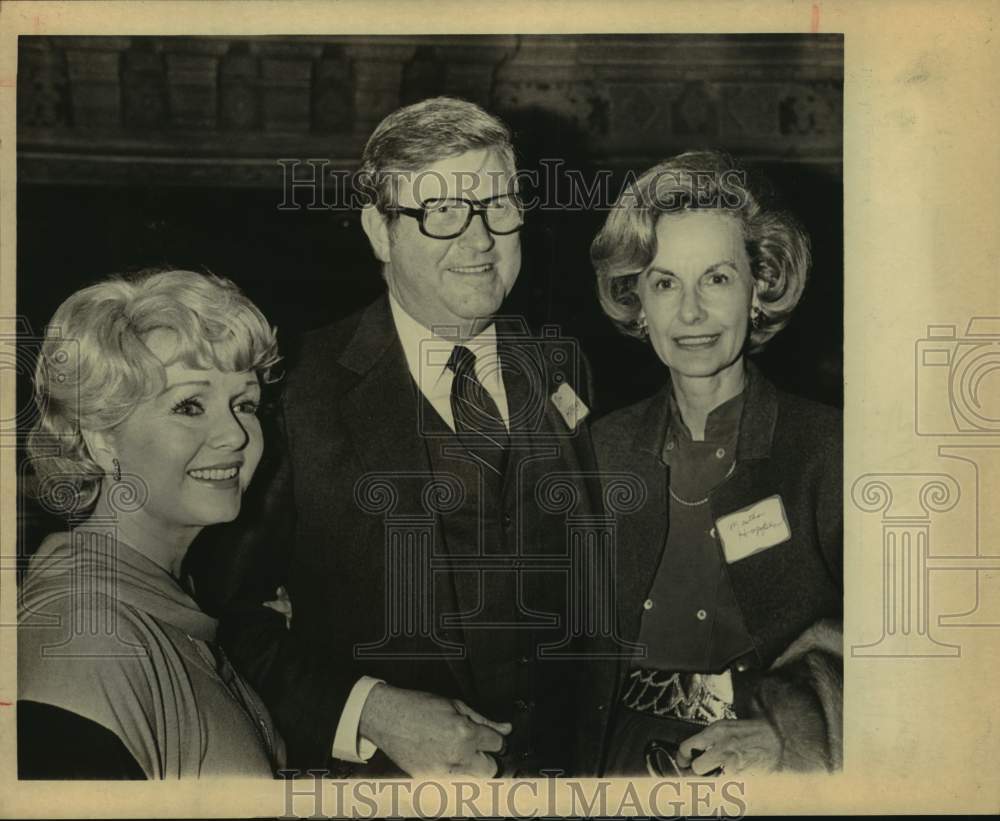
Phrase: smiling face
(196,445)
(449,281)
(696,295)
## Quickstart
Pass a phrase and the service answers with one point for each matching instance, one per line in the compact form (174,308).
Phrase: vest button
(647,605)
(702,615)
(522,660)
(506,520)
(742,667)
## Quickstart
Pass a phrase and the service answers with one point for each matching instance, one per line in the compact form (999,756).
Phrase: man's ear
(376,225)
(101,448)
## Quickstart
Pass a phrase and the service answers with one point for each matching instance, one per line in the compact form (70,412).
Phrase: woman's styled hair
(778,248)
(94,368)
(421,134)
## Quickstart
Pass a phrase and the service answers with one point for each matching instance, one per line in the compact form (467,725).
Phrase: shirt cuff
(348,743)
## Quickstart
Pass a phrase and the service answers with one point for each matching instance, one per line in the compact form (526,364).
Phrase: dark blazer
(787,446)
(354,463)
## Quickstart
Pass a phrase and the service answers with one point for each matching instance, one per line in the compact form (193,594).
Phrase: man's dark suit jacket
(351,469)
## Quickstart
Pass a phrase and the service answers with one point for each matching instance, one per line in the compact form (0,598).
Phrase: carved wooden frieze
(211,107)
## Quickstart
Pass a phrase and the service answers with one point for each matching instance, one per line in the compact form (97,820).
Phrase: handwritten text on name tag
(752,529)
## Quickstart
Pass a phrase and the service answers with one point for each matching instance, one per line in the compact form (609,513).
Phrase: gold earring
(755,315)
(116,469)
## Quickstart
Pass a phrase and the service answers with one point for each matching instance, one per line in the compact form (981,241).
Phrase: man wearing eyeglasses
(425,567)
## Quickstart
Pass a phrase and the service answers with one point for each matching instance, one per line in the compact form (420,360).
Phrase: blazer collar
(760,415)
(374,335)
(380,407)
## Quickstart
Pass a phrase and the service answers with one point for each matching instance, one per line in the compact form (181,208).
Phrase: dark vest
(515,607)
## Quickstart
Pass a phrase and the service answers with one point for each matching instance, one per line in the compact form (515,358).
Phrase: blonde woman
(148,390)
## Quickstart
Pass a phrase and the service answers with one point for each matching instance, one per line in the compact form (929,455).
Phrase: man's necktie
(477,418)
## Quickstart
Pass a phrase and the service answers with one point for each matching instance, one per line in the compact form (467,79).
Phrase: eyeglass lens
(449,217)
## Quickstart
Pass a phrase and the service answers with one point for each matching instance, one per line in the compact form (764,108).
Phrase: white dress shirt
(427,354)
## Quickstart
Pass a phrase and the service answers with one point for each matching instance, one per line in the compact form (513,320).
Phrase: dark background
(139,151)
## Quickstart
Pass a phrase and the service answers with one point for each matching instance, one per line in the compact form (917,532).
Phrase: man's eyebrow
(658,270)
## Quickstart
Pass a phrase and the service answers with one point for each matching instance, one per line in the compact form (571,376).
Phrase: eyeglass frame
(475,207)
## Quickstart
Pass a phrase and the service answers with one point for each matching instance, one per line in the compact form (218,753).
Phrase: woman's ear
(376,225)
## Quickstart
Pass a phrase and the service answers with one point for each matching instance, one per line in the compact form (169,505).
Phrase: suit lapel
(383,414)
(534,417)
(381,409)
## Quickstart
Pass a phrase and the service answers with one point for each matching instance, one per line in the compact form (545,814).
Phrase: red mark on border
(6,704)
(814,23)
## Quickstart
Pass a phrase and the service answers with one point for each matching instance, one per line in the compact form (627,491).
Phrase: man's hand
(736,745)
(427,735)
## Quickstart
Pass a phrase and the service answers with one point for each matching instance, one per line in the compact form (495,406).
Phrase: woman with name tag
(729,575)
(148,391)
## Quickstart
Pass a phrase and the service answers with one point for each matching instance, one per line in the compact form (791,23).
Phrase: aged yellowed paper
(921,386)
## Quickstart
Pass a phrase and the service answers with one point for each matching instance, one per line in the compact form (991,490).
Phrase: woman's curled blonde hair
(94,368)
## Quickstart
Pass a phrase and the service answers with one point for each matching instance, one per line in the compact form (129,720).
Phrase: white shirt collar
(427,353)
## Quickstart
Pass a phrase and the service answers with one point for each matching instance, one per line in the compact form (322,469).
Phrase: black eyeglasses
(448,218)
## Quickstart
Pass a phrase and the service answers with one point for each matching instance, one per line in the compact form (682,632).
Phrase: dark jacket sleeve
(239,568)
(55,744)
(830,505)
(802,692)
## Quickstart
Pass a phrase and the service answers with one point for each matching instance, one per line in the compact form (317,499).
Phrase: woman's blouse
(690,620)
(108,635)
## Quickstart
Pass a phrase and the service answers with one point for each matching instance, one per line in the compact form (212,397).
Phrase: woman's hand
(282,604)
(736,745)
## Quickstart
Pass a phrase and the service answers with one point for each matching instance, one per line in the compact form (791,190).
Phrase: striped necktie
(478,422)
